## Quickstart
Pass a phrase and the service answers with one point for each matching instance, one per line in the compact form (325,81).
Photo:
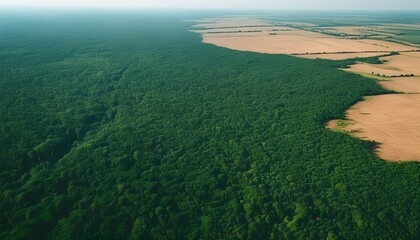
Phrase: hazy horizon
(372,5)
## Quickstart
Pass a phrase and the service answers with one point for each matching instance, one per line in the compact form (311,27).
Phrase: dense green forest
(126,126)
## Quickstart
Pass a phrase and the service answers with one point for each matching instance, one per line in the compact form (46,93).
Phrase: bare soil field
(402,64)
(381,69)
(408,62)
(390,120)
(402,84)
(295,42)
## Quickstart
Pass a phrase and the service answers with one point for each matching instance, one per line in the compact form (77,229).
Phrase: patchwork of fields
(390,120)
(300,39)
(399,69)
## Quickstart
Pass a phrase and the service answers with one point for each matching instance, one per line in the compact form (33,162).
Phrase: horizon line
(136,8)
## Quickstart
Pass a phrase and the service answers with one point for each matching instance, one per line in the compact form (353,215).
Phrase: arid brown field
(392,121)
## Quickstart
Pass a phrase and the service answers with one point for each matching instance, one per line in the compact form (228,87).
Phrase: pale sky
(223,4)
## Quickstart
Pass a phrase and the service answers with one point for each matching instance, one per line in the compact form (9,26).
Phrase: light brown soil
(391,120)
(402,84)
(405,63)
(293,42)
(225,32)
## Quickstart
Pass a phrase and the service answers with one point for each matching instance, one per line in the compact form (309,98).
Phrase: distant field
(408,34)
(402,64)
(229,22)
(295,38)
